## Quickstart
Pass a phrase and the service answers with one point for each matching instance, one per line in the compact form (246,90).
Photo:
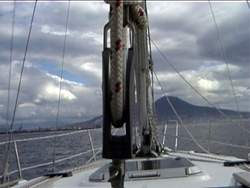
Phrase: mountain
(189,111)
(95,122)
(164,112)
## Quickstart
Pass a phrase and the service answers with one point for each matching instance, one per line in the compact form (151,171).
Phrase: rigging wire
(150,81)
(150,52)
(10,66)
(224,56)
(248,4)
(204,98)
(9,82)
(60,86)
(220,111)
(178,117)
(151,68)
(248,49)
(228,71)
(18,91)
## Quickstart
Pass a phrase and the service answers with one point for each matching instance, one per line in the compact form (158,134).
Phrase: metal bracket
(117,146)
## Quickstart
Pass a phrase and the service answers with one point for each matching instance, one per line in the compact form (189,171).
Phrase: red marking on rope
(118,87)
(118,45)
(118,42)
(118,84)
(141,12)
(118,3)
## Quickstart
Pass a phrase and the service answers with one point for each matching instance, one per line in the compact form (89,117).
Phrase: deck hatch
(144,174)
(149,169)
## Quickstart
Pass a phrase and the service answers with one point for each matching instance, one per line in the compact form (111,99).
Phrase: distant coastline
(188,112)
(95,126)
(52,129)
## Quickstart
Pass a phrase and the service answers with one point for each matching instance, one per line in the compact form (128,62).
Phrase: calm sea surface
(41,151)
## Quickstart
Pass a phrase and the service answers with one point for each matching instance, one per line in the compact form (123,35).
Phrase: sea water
(38,152)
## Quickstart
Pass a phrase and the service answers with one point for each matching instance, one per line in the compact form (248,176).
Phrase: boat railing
(47,137)
(176,133)
(97,151)
(208,141)
(94,151)
(211,141)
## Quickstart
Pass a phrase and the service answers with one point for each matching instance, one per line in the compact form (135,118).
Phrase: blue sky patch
(54,70)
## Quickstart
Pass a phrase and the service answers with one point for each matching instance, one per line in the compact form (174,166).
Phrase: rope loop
(139,16)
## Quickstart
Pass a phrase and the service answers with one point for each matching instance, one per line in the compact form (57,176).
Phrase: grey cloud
(184,32)
(234,32)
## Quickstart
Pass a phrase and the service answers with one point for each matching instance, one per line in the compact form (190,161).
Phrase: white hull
(213,174)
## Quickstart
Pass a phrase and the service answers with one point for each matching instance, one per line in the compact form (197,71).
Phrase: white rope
(152,117)
(118,43)
(139,16)
(117,32)
(152,120)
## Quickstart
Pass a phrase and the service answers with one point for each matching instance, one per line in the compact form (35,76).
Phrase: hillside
(95,122)
(189,111)
(164,112)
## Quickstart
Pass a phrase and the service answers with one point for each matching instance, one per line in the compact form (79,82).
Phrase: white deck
(214,174)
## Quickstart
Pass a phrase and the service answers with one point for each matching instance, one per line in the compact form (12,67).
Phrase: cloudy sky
(184,32)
